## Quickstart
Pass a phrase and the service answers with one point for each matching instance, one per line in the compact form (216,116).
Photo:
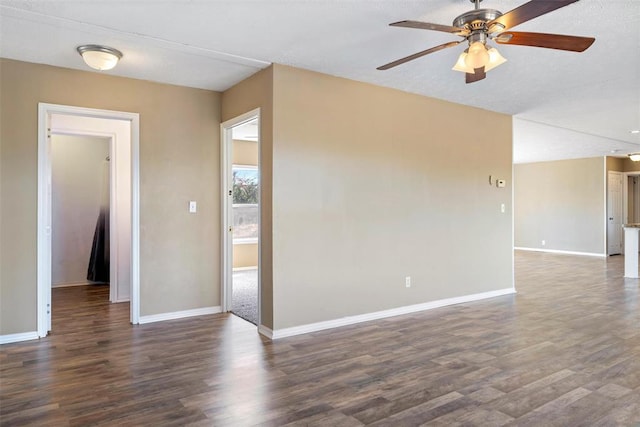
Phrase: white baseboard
(556,251)
(179,314)
(350,320)
(267,332)
(25,336)
(71,284)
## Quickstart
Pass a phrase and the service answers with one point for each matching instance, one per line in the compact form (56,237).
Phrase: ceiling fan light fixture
(461,65)
(635,157)
(478,56)
(99,57)
(495,59)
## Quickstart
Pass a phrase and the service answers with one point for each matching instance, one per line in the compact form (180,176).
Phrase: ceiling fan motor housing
(475,21)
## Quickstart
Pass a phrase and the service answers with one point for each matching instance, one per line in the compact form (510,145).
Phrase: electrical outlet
(193,207)
(544,242)
(407,281)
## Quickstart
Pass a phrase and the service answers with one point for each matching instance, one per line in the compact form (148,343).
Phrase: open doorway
(631,198)
(69,137)
(80,189)
(241,216)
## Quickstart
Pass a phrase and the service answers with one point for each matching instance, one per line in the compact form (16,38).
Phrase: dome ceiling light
(99,57)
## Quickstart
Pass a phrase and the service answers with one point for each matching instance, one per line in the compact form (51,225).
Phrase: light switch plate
(193,207)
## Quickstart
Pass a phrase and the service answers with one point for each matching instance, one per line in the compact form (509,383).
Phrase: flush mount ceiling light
(635,131)
(99,57)
(635,157)
(478,26)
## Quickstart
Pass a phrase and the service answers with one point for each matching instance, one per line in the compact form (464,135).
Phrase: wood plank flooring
(564,351)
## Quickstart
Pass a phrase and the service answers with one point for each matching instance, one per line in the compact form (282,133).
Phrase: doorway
(122,130)
(80,208)
(631,198)
(614,212)
(241,216)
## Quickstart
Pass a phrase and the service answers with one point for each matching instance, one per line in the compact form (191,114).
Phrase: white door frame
(44,206)
(608,212)
(226,160)
(625,194)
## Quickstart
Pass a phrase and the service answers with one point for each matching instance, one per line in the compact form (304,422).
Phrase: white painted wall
(77,174)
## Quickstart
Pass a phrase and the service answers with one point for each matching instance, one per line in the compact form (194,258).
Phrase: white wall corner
(351,320)
(266,332)
(25,336)
(180,314)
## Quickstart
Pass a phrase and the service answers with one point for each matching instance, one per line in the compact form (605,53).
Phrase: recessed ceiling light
(635,131)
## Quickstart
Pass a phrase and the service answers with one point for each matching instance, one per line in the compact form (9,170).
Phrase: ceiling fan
(478,26)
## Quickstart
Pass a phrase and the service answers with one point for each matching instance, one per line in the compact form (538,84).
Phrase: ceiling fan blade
(549,41)
(475,77)
(429,26)
(528,11)
(418,55)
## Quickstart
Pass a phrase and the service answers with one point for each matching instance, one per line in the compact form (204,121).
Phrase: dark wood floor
(565,351)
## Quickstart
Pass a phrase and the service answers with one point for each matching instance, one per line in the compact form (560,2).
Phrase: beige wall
(371,185)
(561,202)
(630,166)
(179,158)
(245,255)
(245,153)
(77,176)
(615,164)
(257,92)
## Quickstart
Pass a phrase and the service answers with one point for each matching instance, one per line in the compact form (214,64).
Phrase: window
(245,204)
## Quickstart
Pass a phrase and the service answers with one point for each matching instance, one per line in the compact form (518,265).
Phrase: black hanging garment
(98,270)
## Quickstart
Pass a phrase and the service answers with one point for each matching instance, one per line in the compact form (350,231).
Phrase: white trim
(43,298)
(513,219)
(267,332)
(226,166)
(24,336)
(255,267)
(605,194)
(246,241)
(557,251)
(179,314)
(351,320)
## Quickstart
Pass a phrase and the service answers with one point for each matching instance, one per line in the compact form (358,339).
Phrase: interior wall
(371,185)
(616,164)
(257,92)
(561,202)
(630,166)
(179,158)
(77,177)
(245,153)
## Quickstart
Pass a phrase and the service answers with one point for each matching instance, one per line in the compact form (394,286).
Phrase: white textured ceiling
(595,95)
